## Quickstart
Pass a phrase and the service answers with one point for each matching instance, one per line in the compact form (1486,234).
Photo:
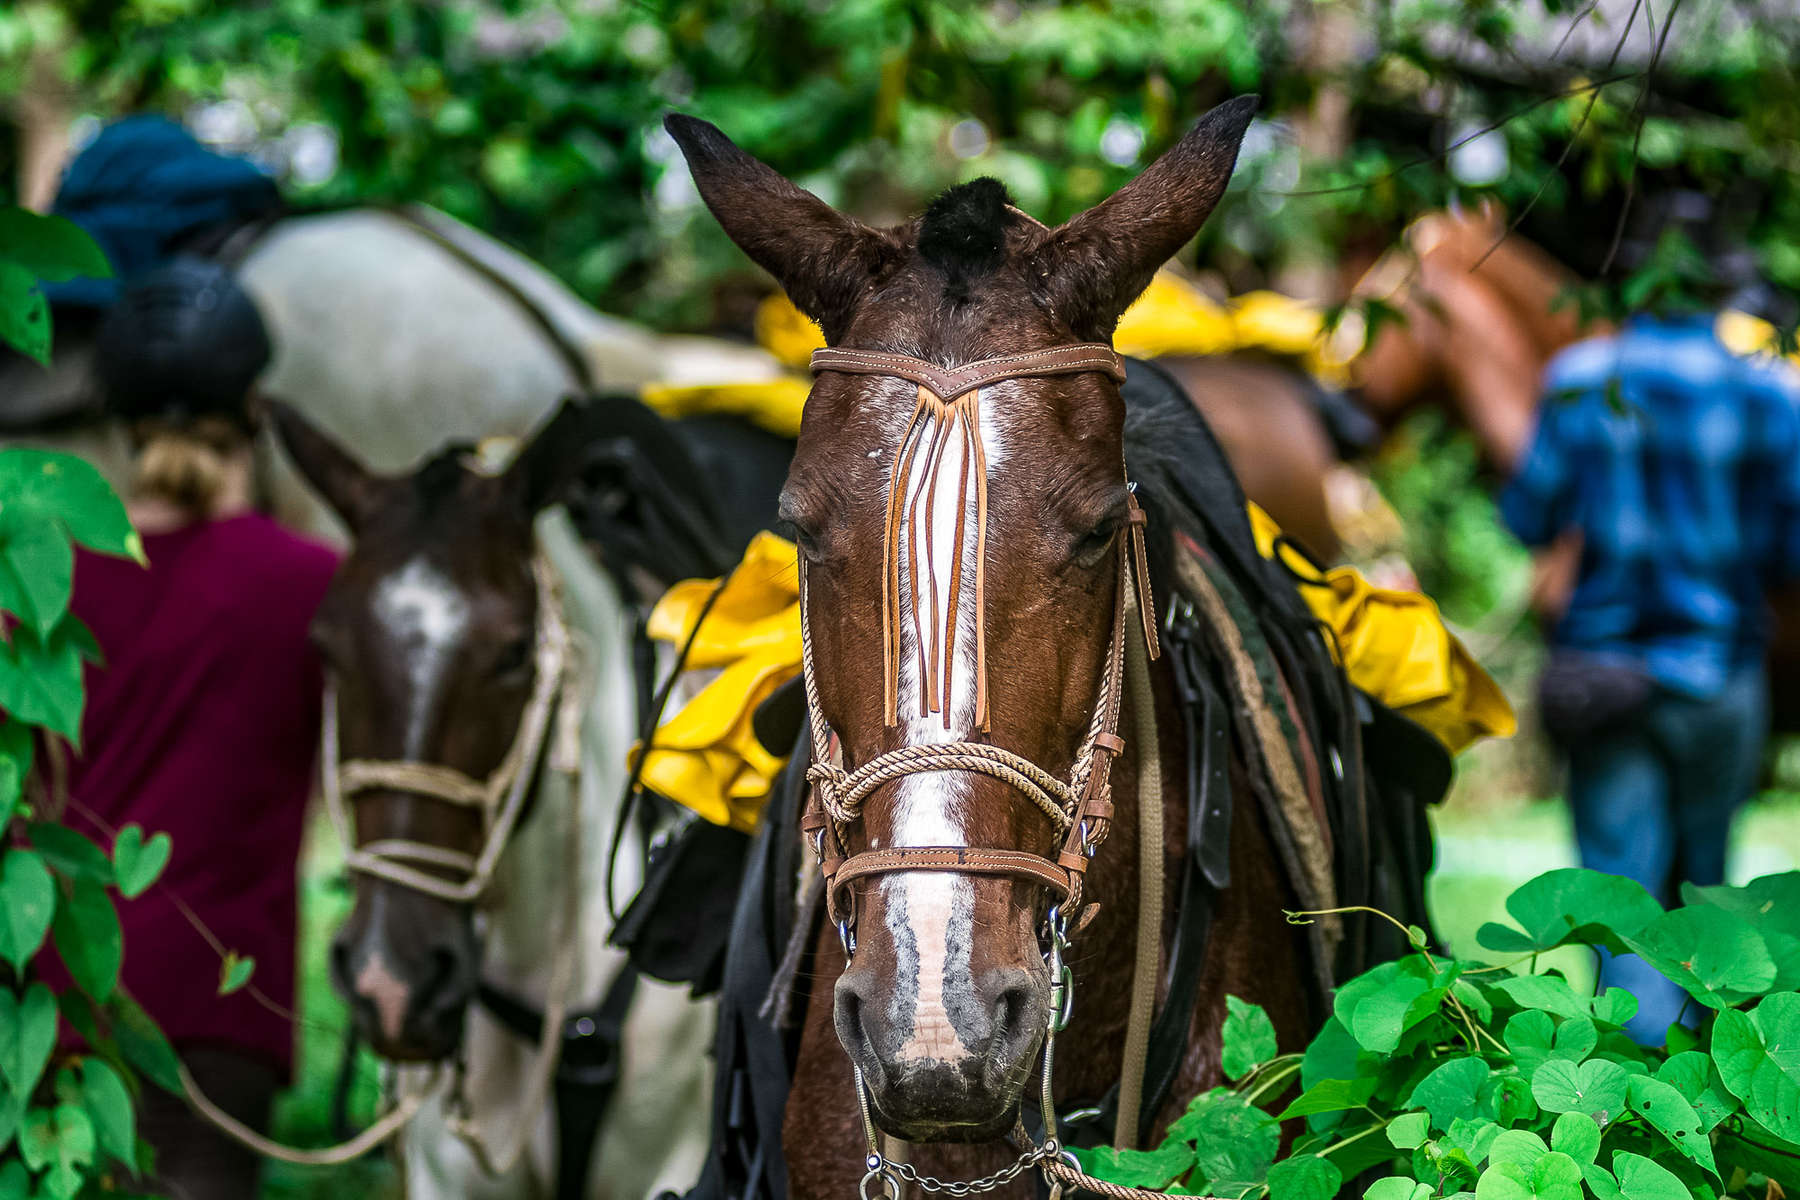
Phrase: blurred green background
(539,122)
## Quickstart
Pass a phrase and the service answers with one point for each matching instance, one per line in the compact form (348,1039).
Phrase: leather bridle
(1078,804)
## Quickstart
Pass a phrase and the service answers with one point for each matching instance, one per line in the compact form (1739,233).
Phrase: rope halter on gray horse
(500,798)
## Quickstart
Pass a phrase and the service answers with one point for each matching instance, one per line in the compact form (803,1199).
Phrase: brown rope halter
(946,418)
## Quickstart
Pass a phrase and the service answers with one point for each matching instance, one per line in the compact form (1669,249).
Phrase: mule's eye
(799,529)
(514,659)
(1094,544)
(803,538)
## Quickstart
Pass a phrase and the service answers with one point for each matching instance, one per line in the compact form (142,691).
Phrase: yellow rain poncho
(1396,647)
(706,756)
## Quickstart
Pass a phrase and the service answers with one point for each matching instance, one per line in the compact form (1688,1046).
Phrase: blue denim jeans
(1654,802)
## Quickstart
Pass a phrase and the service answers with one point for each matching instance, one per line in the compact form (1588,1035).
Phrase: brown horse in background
(943,1006)
(1482,323)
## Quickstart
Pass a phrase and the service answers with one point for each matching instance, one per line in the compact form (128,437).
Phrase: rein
(1078,805)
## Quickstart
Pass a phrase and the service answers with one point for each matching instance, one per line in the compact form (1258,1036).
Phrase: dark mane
(963,233)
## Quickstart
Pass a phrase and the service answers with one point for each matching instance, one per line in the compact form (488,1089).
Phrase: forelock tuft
(964,233)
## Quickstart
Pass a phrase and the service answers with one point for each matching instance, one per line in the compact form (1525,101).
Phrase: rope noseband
(499,799)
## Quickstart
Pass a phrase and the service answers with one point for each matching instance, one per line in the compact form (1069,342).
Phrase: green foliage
(538,120)
(63,1118)
(1445,1078)
(35,248)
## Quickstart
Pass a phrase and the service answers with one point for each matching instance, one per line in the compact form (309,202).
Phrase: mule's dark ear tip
(1230,118)
(697,137)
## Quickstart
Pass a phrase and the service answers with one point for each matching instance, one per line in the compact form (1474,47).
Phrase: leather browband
(949,383)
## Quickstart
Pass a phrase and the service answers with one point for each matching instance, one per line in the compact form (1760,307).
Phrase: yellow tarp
(1396,647)
(706,756)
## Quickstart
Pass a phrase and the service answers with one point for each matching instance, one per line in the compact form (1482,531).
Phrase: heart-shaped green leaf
(87,935)
(1716,956)
(1304,1177)
(27,1036)
(1234,1140)
(1596,1087)
(234,972)
(27,902)
(1693,1074)
(1671,1114)
(1758,1056)
(61,1139)
(1641,1179)
(75,493)
(40,679)
(37,567)
(1409,1130)
(1615,1006)
(1552,1176)
(1395,1188)
(1548,992)
(108,1104)
(1576,1135)
(1572,904)
(138,863)
(1519,1146)
(1450,1090)
(1248,1038)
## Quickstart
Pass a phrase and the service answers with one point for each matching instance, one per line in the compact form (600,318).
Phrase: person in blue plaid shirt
(1676,466)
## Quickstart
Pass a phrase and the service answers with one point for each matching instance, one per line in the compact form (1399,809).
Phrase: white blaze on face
(427,615)
(931,911)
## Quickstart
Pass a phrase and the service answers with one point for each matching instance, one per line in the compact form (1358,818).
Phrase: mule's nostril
(1011,1011)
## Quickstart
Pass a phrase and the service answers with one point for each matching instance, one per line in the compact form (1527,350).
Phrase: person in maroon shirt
(204,720)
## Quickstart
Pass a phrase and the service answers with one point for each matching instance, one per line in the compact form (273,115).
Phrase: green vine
(67,1120)
(1444,1078)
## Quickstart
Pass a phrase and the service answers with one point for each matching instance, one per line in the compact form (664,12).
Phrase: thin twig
(1574,24)
(200,927)
(1612,61)
(1656,52)
(1305,918)
(1427,160)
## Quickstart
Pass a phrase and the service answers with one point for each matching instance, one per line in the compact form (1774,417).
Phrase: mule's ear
(351,489)
(823,259)
(548,465)
(1099,262)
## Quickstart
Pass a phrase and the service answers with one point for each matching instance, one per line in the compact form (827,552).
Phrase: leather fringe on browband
(936,431)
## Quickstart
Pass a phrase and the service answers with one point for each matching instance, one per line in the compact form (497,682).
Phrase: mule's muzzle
(408,979)
(945,1076)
